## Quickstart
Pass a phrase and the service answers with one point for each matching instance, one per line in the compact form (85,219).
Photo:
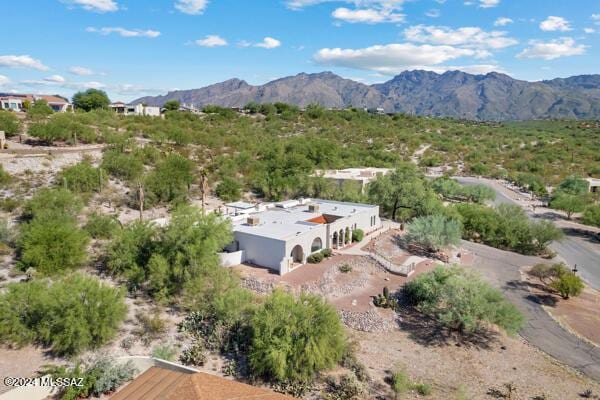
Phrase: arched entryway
(334,240)
(297,254)
(341,238)
(347,238)
(317,245)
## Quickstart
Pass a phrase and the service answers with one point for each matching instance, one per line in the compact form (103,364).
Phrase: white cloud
(81,71)
(124,32)
(4,80)
(299,4)
(192,7)
(469,36)
(503,21)
(392,58)
(268,43)
(488,3)
(211,41)
(24,61)
(433,13)
(55,79)
(368,15)
(562,47)
(95,5)
(553,23)
(596,18)
(589,30)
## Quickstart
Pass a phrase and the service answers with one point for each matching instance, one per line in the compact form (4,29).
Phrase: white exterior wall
(260,250)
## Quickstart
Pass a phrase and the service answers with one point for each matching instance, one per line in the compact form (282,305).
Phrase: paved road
(575,248)
(501,269)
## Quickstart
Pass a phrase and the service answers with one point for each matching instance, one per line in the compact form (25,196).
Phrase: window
(317,245)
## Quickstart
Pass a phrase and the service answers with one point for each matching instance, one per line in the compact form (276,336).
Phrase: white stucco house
(135,109)
(283,235)
(362,176)
(593,185)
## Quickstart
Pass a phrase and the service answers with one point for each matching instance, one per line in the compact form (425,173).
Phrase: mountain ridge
(493,96)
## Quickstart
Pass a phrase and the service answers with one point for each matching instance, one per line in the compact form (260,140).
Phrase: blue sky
(134,48)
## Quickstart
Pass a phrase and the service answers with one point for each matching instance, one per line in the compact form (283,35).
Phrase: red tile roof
(164,384)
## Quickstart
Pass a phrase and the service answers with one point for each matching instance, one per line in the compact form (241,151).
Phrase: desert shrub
(170,181)
(546,272)
(150,326)
(69,315)
(400,383)
(5,177)
(506,227)
(100,376)
(358,235)
(63,127)
(347,387)
(385,299)
(121,165)
(51,245)
(422,388)
(314,258)
(228,189)
(434,232)
(293,339)
(164,352)
(194,354)
(461,301)
(52,203)
(591,215)
(9,204)
(101,226)
(568,284)
(326,252)
(9,123)
(82,178)
(345,268)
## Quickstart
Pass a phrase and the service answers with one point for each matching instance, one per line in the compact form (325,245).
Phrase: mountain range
(493,96)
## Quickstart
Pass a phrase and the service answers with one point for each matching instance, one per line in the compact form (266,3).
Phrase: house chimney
(313,208)
(253,220)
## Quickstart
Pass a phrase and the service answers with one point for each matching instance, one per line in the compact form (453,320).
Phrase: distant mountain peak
(492,96)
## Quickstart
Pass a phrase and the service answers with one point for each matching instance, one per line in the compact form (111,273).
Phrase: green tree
(404,194)
(573,185)
(172,105)
(568,203)
(591,215)
(73,314)
(461,301)
(568,284)
(101,226)
(170,181)
(434,232)
(293,339)
(90,100)
(122,165)
(39,109)
(9,123)
(52,203)
(51,245)
(228,189)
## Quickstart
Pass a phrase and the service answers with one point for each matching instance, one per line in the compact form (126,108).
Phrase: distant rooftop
(283,223)
(353,173)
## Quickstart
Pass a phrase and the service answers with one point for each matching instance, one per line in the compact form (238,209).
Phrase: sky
(133,48)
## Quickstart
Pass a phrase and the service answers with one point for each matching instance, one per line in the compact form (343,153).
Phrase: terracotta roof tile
(164,384)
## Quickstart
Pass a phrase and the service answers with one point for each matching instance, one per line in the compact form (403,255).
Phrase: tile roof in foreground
(158,383)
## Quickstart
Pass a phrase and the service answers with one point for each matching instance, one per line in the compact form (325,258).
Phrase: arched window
(317,245)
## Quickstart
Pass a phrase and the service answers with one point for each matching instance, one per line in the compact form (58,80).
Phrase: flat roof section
(285,223)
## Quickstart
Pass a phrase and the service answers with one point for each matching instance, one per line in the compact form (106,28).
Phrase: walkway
(501,269)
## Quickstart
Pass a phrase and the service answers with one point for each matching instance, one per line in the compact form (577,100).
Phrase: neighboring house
(15,102)
(170,381)
(134,109)
(593,185)
(282,236)
(361,176)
